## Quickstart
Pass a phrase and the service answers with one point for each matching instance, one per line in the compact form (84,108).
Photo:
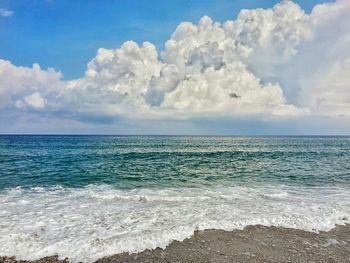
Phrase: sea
(86,197)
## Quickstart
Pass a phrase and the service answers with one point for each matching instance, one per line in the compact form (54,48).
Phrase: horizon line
(176,135)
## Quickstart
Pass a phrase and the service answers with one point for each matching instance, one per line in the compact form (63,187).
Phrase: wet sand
(253,244)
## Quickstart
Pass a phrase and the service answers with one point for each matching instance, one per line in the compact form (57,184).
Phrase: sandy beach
(253,244)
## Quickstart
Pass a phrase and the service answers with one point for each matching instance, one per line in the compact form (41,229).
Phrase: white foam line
(89,223)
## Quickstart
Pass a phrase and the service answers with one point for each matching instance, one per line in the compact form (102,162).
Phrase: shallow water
(107,194)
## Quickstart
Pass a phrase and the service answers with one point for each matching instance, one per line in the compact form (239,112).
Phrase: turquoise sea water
(162,161)
(107,194)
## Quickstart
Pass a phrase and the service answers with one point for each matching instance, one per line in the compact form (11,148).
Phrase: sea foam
(85,224)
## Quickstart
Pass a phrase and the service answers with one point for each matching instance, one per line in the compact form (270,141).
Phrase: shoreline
(252,244)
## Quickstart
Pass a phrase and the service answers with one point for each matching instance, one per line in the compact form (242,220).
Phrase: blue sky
(277,70)
(66,34)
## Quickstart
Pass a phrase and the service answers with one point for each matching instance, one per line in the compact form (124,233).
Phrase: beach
(98,198)
(253,244)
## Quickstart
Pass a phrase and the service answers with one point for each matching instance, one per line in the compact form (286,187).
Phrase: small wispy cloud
(5,12)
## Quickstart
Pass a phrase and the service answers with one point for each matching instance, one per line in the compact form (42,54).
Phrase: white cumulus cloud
(277,62)
(25,88)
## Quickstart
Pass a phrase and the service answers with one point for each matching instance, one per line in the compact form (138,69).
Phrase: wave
(85,224)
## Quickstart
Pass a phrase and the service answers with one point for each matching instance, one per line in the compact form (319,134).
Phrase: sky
(66,34)
(175,67)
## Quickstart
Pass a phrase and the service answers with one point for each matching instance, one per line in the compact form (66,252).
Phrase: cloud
(5,12)
(323,62)
(23,88)
(268,63)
